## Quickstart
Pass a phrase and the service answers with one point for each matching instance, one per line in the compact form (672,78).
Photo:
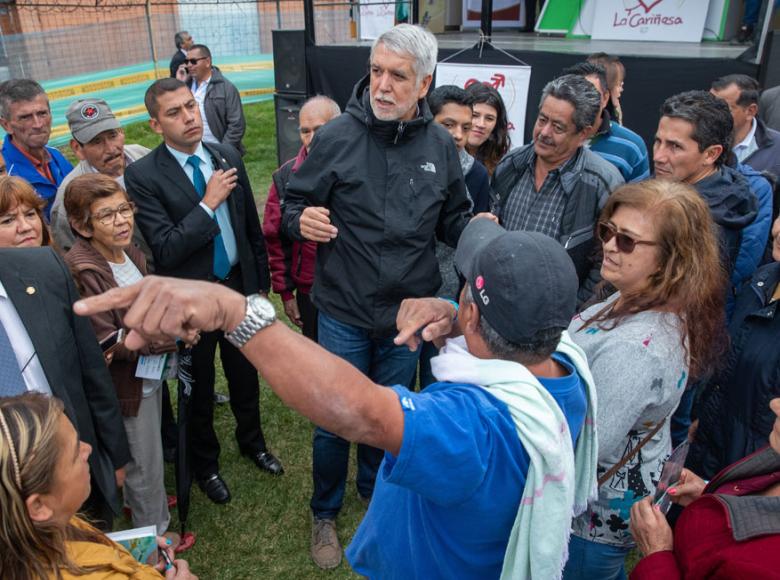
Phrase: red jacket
(704,544)
(291,262)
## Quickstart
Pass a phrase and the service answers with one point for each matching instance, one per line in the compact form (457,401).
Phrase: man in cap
(25,115)
(98,140)
(508,415)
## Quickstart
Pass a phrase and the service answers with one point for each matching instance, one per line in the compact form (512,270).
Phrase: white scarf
(560,481)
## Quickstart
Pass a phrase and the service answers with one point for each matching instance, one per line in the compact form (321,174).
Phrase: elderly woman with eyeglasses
(660,256)
(103,257)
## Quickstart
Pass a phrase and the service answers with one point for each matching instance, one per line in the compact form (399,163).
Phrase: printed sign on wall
(510,81)
(660,20)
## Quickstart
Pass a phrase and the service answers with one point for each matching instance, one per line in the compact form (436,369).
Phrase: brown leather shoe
(325,547)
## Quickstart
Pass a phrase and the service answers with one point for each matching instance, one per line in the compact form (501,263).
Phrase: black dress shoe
(267,462)
(215,488)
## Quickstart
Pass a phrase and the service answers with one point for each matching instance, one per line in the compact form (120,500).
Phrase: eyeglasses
(108,216)
(625,243)
(194,60)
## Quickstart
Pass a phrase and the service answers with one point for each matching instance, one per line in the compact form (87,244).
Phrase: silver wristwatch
(259,314)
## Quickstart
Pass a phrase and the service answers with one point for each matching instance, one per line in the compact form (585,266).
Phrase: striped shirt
(540,211)
(622,148)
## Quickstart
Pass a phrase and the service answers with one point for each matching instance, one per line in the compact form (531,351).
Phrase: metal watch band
(259,315)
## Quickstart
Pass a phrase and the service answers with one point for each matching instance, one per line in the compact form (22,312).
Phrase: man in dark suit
(197,212)
(57,354)
(183,42)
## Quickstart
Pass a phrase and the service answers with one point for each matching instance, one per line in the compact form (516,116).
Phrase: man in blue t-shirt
(458,455)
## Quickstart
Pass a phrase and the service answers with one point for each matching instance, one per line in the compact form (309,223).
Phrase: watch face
(263,307)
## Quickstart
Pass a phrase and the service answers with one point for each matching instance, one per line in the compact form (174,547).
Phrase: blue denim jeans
(385,364)
(590,560)
(427,350)
(752,11)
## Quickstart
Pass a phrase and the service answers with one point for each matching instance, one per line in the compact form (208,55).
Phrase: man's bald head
(314,114)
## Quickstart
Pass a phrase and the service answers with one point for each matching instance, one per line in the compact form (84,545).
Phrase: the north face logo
(430,167)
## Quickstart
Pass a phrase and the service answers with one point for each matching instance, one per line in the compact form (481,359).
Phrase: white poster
(510,81)
(659,20)
(375,19)
(506,13)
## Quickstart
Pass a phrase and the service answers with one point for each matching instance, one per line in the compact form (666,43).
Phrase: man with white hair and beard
(379,184)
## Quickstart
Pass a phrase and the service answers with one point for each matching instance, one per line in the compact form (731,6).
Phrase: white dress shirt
(748,146)
(199,92)
(222,213)
(26,357)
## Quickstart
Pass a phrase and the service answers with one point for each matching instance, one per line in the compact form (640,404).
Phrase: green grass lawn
(264,531)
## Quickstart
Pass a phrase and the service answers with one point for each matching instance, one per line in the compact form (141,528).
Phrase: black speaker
(288,140)
(289,48)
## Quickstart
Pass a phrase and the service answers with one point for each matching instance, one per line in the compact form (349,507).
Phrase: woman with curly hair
(661,325)
(489,137)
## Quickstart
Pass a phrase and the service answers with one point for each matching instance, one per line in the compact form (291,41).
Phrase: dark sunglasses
(194,60)
(625,243)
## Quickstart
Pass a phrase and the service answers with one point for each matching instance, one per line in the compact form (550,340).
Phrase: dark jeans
(590,560)
(427,350)
(385,364)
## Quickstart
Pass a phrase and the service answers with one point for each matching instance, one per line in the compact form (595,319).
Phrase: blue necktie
(221,266)
(11,381)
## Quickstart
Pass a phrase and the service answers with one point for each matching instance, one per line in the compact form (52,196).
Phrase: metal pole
(278,15)
(487,19)
(148,10)
(415,11)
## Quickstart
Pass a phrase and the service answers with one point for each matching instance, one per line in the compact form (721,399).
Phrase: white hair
(414,41)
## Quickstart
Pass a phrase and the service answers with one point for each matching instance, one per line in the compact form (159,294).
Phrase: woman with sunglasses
(657,328)
(103,257)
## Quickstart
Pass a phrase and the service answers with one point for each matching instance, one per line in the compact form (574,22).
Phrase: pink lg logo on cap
(479,282)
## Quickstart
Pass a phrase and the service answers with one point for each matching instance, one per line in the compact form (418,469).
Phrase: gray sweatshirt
(640,370)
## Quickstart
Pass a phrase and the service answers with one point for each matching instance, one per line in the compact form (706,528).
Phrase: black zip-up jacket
(392,188)
(733,411)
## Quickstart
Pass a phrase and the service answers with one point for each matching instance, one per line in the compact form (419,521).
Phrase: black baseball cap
(521,282)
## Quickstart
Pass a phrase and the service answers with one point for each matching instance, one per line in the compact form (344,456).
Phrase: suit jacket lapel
(34,312)
(174,173)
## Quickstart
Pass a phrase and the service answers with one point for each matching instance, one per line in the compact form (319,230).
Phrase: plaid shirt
(537,211)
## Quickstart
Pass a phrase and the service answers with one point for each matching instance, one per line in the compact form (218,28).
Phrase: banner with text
(660,20)
(510,81)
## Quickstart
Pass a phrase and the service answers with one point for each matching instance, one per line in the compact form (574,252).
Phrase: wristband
(455,304)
